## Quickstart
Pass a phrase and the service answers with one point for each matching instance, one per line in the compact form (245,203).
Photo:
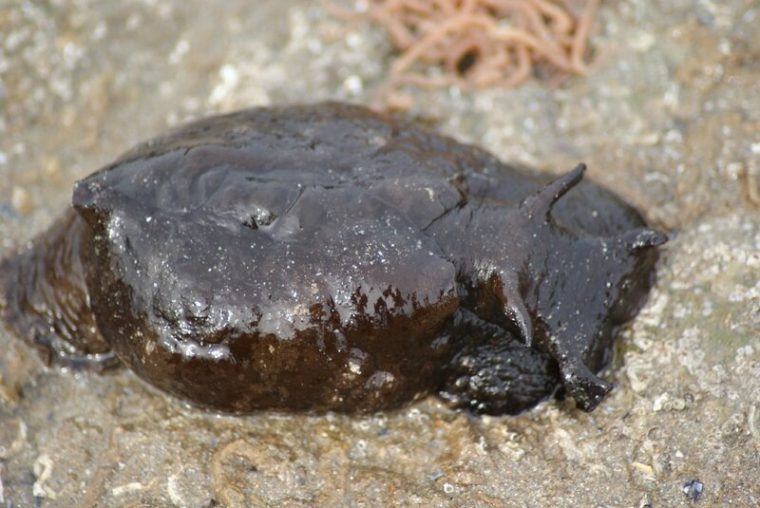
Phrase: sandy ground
(669,117)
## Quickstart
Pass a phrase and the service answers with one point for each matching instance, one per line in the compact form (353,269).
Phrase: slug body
(325,257)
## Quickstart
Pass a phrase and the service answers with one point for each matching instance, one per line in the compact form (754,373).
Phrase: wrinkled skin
(325,257)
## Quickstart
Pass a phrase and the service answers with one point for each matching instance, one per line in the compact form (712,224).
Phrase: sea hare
(325,257)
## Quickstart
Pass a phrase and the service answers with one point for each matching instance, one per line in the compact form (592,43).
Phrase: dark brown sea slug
(325,257)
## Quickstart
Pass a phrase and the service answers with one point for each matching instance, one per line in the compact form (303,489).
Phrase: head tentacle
(514,307)
(641,238)
(540,204)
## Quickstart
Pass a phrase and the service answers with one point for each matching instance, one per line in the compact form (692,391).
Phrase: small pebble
(693,489)
(51,165)
(21,200)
